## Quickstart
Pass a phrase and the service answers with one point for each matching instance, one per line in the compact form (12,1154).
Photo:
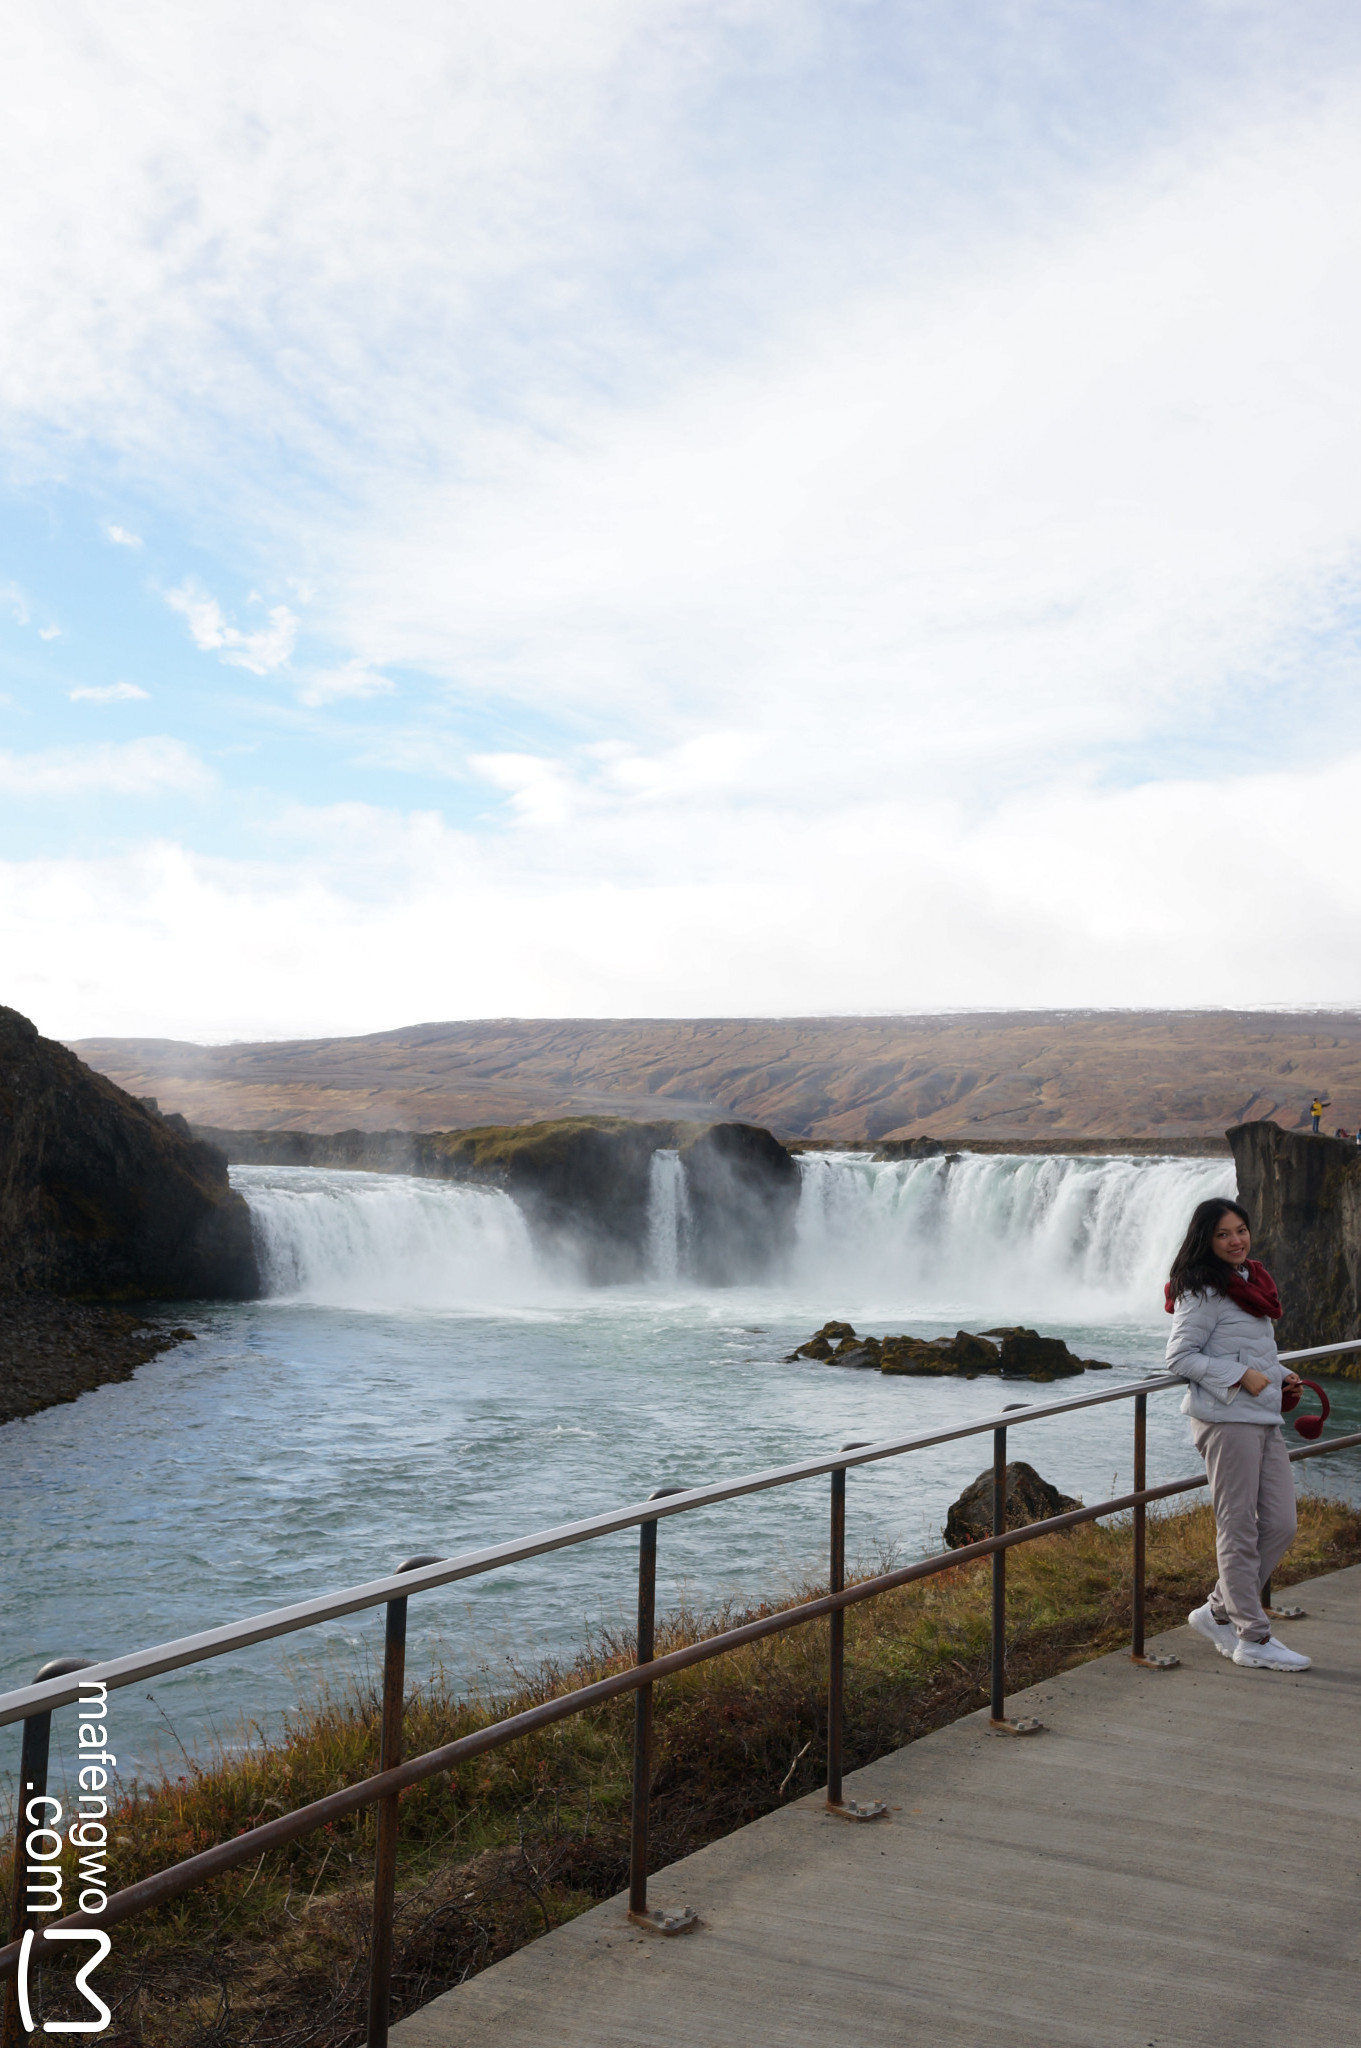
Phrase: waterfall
(1072,1239)
(384,1241)
(1006,1239)
(668,1219)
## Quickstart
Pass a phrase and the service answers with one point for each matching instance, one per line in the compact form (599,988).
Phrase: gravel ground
(52,1350)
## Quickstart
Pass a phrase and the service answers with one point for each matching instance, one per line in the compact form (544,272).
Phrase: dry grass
(516,1841)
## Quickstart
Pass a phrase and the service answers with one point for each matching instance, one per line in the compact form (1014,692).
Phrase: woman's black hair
(1197,1268)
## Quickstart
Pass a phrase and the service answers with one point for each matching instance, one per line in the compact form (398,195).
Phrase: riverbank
(525,1837)
(52,1351)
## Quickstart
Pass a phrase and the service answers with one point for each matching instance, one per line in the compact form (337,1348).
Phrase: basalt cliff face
(584,1183)
(103,1199)
(1304,1197)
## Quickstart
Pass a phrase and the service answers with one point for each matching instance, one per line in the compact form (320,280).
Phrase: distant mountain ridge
(1028,1075)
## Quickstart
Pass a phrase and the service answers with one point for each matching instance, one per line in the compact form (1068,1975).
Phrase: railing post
(997,1715)
(385,1851)
(845,1809)
(999,1577)
(33,1762)
(836,1647)
(659,1919)
(1138,1655)
(1140,1522)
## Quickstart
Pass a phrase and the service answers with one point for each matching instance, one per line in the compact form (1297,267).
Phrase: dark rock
(918,1358)
(937,1358)
(820,1344)
(744,1190)
(1304,1197)
(865,1353)
(1028,1356)
(1028,1499)
(582,1182)
(973,1353)
(103,1199)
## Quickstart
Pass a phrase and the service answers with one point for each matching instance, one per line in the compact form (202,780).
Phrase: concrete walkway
(1175,1863)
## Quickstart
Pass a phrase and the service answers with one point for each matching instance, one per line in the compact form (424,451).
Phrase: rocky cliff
(103,1199)
(584,1182)
(1304,1197)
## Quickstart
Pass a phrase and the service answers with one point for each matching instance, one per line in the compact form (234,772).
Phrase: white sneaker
(1222,1634)
(1270,1656)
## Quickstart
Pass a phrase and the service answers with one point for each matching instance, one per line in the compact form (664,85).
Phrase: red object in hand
(1309,1426)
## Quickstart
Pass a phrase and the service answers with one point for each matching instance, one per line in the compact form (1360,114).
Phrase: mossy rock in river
(918,1357)
(1015,1352)
(1026,1355)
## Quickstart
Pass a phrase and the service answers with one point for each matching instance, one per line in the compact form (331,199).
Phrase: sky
(658,508)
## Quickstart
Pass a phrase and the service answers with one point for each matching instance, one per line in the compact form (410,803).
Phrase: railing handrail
(279,1621)
(184,1876)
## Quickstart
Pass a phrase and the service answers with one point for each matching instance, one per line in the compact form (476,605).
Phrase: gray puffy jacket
(1213,1343)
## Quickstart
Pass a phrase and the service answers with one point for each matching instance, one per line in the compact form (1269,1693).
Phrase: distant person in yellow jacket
(1316,1109)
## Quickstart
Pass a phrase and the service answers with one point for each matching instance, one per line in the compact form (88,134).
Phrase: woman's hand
(1253,1381)
(1292,1379)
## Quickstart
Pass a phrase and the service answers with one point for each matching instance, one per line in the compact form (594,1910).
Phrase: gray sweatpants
(1252,1487)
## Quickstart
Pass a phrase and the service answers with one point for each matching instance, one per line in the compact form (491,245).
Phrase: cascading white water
(1074,1239)
(370,1240)
(668,1218)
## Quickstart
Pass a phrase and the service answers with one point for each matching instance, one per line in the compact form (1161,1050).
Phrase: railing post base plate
(666,1920)
(1027,1726)
(1168,1663)
(857,1809)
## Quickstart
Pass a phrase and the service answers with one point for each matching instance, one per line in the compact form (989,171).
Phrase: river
(420,1377)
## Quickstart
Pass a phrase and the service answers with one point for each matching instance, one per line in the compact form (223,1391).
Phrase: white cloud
(135,768)
(108,693)
(540,792)
(121,538)
(261,651)
(863,504)
(355,679)
(49,632)
(1063,897)
(14,602)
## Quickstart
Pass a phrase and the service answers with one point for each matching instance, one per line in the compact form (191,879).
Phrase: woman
(1223,1305)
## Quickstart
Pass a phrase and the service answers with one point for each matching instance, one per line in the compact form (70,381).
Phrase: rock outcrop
(1028,1499)
(1014,1353)
(1026,1355)
(1304,1197)
(743,1189)
(103,1199)
(582,1182)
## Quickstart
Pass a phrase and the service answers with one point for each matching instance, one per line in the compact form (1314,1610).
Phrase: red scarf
(1256,1293)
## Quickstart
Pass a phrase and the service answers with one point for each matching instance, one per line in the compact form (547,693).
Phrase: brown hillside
(1030,1075)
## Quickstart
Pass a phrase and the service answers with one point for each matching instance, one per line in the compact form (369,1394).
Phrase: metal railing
(60,1683)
